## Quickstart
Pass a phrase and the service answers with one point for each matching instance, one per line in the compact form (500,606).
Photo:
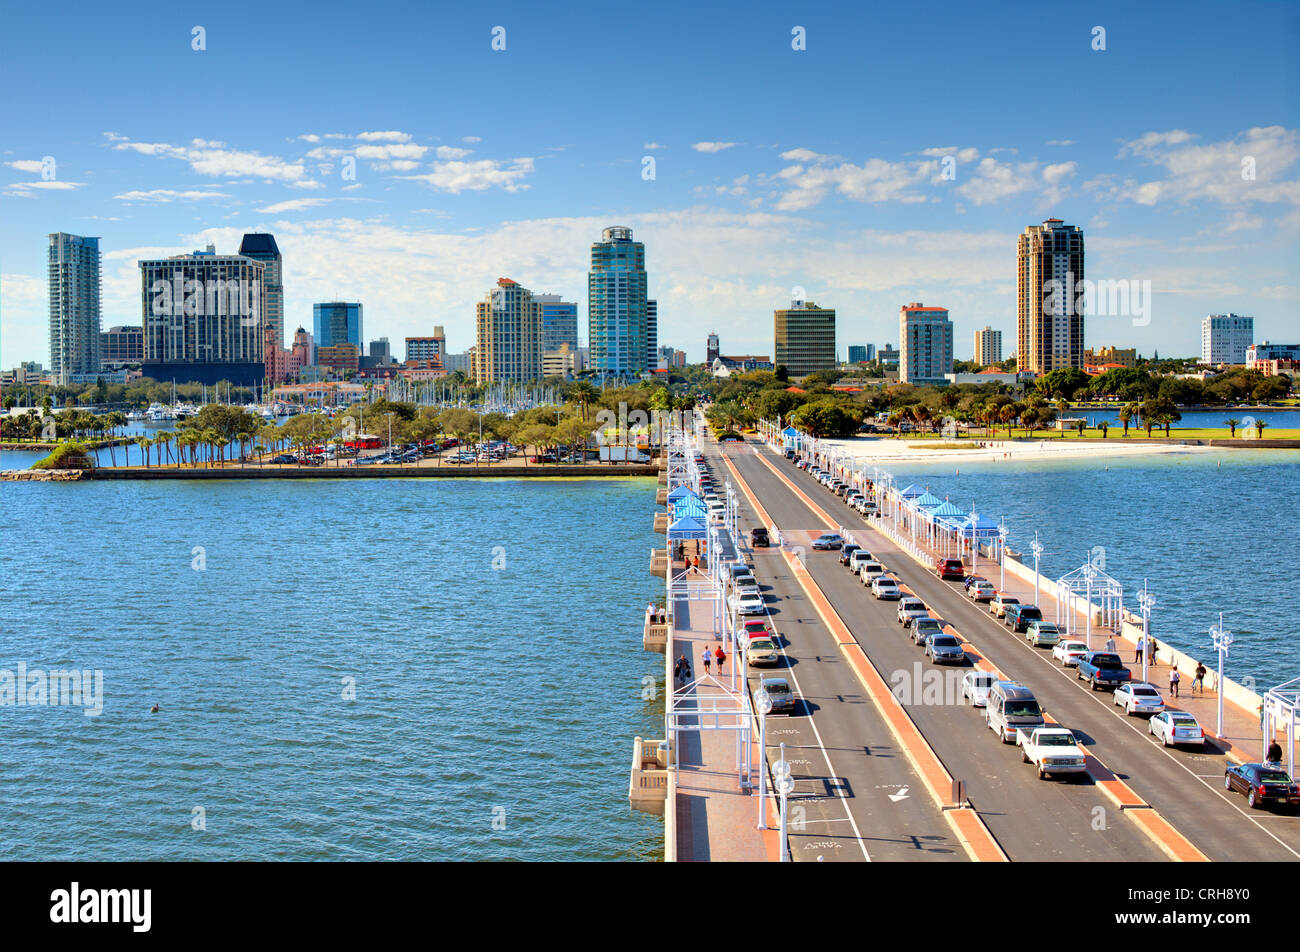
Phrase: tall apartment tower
(1050,301)
(74,277)
(617,317)
(925,351)
(712,349)
(652,335)
(509,324)
(338,322)
(988,346)
(1225,338)
(805,338)
(262,247)
(202,317)
(559,322)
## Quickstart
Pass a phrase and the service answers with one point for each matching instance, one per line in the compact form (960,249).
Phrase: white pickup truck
(1053,750)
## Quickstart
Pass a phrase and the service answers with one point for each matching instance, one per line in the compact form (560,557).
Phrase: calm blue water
(1208,419)
(1211,531)
(508,691)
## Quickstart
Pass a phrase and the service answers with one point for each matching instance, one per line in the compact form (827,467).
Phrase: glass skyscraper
(559,322)
(337,322)
(617,315)
(74,277)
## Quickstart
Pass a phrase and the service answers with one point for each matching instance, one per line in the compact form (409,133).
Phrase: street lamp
(1146,601)
(1003,532)
(1222,639)
(784,786)
(1037,549)
(763,701)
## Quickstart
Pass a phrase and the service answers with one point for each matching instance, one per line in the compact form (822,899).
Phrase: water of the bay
(490,631)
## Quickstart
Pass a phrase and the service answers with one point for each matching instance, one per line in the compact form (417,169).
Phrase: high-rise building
(301,354)
(925,351)
(337,322)
(652,335)
(1050,297)
(988,346)
(805,338)
(74,277)
(559,322)
(565,362)
(1268,352)
(424,348)
(712,349)
(1225,338)
(857,353)
(509,332)
(202,318)
(343,358)
(262,247)
(617,316)
(458,362)
(121,345)
(888,355)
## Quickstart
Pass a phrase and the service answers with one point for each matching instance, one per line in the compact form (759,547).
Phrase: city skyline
(740,210)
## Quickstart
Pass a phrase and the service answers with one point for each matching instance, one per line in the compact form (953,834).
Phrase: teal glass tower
(617,306)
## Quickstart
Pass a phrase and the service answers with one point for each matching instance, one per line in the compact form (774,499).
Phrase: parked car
(944,649)
(762,652)
(750,604)
(923,628)
(758,537)
(981,591)
(859,559)
(778,689)
(757,628)
(885,588)
(1011,706)
(1019,617)
(971,579)
(1053,750)
(1138,697)
(1042,634)
(1102,669)
(1176,727)
(869,571)
(1263,785)
(1001,600)
(1069,652)
(975,687)
(846,552)
(828,540)
(909,607)
(950,569)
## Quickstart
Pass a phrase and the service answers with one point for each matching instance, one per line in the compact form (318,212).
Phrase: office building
(337,322)
(509,335)
(858,353)
(617,318)
(712,349)
(1112,356)
(262,247)
(342,359)
(805,338)
(1225,338)
(1268,352)
(559,322)
(121,345)
(425,348)
(564,362)
(926,344)
(988,346)
(1049,326)
(458,362)
(652,334)
(74,288)
(202,318)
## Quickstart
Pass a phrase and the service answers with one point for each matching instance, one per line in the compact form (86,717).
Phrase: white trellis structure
(721,709)
(1091,591)
(1282,712)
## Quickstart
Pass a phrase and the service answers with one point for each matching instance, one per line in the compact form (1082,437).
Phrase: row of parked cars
(852,496)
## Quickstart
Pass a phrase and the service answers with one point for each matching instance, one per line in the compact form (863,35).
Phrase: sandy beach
(985,450)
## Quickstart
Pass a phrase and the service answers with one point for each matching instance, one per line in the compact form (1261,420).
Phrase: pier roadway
(1185,787)
(1031,819)
(857,796)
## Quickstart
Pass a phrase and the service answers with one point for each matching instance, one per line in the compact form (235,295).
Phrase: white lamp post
(763,701)
(784,786)
(1037,549)
(1146,601)
(1222,639)
(1002,556)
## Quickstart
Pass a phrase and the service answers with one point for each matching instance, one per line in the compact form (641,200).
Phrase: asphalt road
(1185,786)
(856,795)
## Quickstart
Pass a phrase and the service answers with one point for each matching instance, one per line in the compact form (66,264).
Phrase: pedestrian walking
(1200,677)
(1141,647)
(1151,651)
(1110,645)
(1174,678)
(1274,755)
(705,658)
(720,656)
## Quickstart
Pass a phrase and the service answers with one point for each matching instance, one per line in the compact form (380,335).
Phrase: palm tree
(894,419)
(1232,426)
(1007,415)
(1079,425)
(221,442)
(1103,426)
(144,443)
(1259,428)
(243,437)
(1127,413)
(583,393)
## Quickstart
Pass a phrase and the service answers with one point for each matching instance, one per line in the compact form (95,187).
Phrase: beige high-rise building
(988,347)
(805,338)
(509,334)
(1050,297)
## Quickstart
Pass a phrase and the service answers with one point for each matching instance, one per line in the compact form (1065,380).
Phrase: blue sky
(774,168)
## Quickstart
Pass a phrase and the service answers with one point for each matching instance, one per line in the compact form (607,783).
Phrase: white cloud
(292,205)
(384,137)
(213,159)
(26,165)
(711,146)
(1257,166)
(389,152)
(471,139)
(652,146)
(995,181)
(457,176)
(873,181)
(451,152)
(51,186)
(163,195)
(307,183)
(310,137)
(1060,142)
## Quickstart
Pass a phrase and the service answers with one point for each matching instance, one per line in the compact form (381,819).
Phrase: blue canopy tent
(980,527)
(945,518)
(911,492)
(687,527)
(681,492)
(689,507)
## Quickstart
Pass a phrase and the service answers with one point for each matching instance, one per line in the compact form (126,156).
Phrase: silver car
(1138,697)
(944,649)
(975,687)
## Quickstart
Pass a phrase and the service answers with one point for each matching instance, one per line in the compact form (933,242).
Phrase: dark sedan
(1263,784)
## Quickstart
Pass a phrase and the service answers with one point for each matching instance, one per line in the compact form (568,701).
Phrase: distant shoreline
(592,471)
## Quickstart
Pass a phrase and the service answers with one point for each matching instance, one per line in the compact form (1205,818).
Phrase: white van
(858,559)
(1011,706)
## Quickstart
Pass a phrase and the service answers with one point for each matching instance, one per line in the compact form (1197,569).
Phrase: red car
(950,569)
(757,628)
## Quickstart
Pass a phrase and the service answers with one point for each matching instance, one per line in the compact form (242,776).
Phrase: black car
(758,537)
(1262,784)
(846,551)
